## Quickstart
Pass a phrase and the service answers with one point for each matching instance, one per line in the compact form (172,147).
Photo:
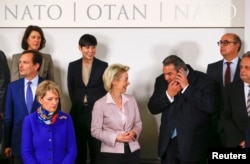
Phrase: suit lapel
(43,64)
(238,91)
(21,92)
(129,114)
(237,72)
(36,104)
(242,105)
(219,72)
(93,70)
(79,67)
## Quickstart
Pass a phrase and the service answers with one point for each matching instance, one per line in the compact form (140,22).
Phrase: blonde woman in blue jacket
(48,135)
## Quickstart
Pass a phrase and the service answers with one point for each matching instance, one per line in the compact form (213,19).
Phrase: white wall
(143,49)
(247,26)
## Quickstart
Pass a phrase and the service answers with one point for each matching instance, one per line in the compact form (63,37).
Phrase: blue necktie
(29,97)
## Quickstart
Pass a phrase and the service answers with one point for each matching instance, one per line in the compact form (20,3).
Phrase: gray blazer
(106,124)
(46,70)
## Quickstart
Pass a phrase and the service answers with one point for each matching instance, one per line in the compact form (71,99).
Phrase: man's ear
(37,65)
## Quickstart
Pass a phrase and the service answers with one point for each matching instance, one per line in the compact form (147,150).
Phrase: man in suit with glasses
(223,72)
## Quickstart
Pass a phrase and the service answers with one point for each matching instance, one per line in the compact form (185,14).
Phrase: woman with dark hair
(33,39)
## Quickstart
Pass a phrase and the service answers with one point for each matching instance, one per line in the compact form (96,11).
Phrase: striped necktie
(248,102)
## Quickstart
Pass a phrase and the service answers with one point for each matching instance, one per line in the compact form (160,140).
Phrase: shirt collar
(246,84)
(34,81)
(234,61)
(110,100)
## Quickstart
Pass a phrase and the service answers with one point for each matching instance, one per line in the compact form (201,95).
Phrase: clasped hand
(175,86)
(126,137)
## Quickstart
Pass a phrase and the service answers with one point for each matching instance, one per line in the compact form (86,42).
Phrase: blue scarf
(46,117)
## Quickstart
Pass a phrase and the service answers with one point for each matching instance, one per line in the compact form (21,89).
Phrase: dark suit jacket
(76,87)
(234,114)
(190,114)
(15,111)
(215,71)
(4,80)
(247,139)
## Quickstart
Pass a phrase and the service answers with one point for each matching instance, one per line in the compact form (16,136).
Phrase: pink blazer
(106,123)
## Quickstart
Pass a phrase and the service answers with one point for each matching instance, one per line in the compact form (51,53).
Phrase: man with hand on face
(185,98)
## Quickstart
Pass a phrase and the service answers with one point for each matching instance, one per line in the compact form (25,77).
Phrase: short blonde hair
(46,85)
(111,73)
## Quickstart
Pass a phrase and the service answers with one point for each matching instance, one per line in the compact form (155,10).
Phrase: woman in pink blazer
(116,120)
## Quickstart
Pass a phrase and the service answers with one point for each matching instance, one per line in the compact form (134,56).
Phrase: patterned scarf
(46,117)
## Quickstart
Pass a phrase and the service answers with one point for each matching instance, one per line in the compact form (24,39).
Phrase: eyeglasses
(224,43)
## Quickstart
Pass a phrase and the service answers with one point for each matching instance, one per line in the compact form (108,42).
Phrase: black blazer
(215,71)
(76,87)
(234,114)
(4,81)
(247,138)
(189,114)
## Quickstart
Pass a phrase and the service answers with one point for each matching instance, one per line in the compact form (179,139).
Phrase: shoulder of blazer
(16,83)
(16,56)
(102,100)
(2,56)
(63,116)
(215,64)
(40,79)
(21,82)
(75,66)
(160,80)
(47,56)
(99,62)
(214,70)
(4,68)
(76,62)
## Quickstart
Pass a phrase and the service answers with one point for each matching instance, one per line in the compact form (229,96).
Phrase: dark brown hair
(26,35)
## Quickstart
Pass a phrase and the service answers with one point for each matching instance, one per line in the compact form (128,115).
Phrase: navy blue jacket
(15,111)
(234,114)
(215,71)
(190,114)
